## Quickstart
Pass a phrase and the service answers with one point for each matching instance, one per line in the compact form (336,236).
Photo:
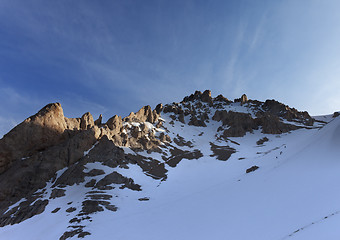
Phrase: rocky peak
(221,98)
(145,114)
(243,99)
(206,96)
(86,121)
(159,108)
(115,123)
(54,109)
(32,135)
(98,122)
(198,95)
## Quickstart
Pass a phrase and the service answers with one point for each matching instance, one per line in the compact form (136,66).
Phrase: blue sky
(113,57)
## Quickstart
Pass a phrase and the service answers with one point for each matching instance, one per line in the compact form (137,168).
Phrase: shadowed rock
(275,108)
(262,140)
(239,123)
(98,122)
(252,169)
(222,153)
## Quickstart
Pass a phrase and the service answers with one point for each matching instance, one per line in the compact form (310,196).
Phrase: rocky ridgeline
(268,115)
(33,152)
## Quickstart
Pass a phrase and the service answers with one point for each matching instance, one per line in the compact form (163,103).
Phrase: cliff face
(33,152)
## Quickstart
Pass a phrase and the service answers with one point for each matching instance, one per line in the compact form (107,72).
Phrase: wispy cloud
(258,32)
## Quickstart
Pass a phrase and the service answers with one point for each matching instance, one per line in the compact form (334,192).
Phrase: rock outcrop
(198,95)
(35,134)
(32,152)
(243,99)
(145,114)
(275,108)
(239,123)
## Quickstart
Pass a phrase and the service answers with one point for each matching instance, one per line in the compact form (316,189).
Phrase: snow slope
(295,193)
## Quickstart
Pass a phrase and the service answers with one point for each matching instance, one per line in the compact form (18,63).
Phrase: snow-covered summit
(204,168)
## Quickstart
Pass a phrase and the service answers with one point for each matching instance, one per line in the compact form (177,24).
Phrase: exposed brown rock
(181,117)
(159,108)
(206,96)
(222,153)
(36,133)
(117,178)
(196,96)
(91,183)
(262,140)
(71,209)
(145,114)
(273,125)
(27,176)
(243,99)
(174,108)
(239,123)
(56,210)
(144,199)
(252,169)
(69,234)
(95,172)
(98,122)
(83,234)
(56,193)
(100,196)
(177,155)
(180,141)
(86,121)
(25,211)
(164,138)
(198,122)
(115,123)
(278,109)
(221,98)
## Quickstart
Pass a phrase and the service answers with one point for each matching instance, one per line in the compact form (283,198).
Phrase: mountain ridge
(35,151)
